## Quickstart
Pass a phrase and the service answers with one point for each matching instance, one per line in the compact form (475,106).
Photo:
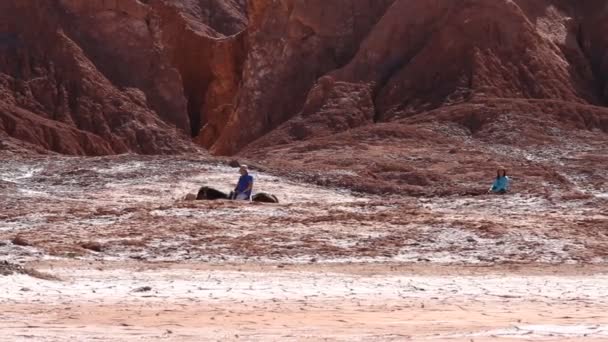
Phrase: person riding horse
(244,186)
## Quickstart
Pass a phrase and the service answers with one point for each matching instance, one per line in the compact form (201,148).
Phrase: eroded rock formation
(100,76)
(424,55)
(290,44)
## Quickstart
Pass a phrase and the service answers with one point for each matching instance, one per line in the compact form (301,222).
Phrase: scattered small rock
(7,268)
(143,289)
(20,241)
(234,163)
(92,245)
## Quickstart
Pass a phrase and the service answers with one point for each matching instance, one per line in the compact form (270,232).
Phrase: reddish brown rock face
(425,55)
(290,44)
(72,97)
(412,57)
(98,77)
(204,43)
(457,88)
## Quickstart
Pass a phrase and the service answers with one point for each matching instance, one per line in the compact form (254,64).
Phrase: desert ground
(379,125)
(108,249)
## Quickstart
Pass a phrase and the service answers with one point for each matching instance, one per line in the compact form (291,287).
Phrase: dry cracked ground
(108,249)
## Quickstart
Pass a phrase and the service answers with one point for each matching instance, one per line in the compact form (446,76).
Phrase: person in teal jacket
(501,183)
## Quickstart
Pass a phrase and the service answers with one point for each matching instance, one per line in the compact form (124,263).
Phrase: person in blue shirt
(244,186)
(501,183)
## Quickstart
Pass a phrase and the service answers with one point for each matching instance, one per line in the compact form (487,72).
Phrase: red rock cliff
(424,55)
(99,76)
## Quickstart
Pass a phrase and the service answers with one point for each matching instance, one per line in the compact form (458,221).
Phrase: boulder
(264,198)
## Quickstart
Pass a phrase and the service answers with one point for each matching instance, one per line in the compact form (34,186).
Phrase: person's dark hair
(504,171)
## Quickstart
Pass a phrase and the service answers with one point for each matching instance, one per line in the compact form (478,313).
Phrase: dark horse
(211,194)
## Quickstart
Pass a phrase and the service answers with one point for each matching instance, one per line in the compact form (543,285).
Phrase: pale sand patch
(104,302)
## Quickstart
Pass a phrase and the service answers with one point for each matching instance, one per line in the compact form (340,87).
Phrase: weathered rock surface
(259,77)
(424,55)
(100,77)
(204,42)
(290,44)
(456,89)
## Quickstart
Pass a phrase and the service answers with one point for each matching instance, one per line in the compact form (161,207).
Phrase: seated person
(244,187)
(501,183)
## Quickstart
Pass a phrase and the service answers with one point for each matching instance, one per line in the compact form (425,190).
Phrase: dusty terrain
(135,261)
(111,301)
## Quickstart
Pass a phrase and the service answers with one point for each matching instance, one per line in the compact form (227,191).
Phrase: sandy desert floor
(136,301)
(133,261)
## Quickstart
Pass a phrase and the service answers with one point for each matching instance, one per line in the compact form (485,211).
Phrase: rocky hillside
(103,77)
(266,76)
(426,55)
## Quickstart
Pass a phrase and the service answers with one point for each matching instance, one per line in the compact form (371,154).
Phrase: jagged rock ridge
(100,77)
